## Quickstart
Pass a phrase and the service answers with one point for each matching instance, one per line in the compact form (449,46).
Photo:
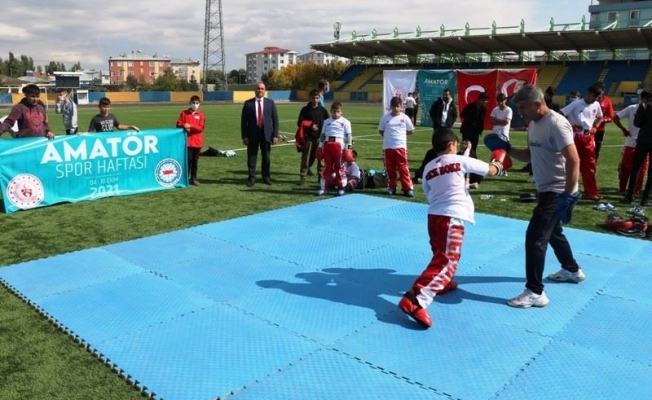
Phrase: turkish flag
(471,84)
(511,80)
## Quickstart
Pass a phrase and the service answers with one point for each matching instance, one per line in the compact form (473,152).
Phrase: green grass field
(37,361)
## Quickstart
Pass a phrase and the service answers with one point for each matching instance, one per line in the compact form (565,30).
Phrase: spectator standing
(585,115)
(410,104)
(394,127)
(315,114)
(336,136)
(607,116)
(417,106)
(642,120)
(443,111)
(473,121)
(501,117)
(193,123)
(259,130)
(68,110)
(549,96)
(324,87)
(574,95)
(626,164)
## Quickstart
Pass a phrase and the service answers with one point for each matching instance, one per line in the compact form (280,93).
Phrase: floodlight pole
(213,41)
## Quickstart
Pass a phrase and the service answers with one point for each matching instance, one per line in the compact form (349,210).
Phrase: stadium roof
(420,43)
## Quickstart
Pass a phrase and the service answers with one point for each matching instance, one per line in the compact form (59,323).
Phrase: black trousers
(599,137)
(258,142)
(474,138)
(641,151)
(545,228)
(193,161)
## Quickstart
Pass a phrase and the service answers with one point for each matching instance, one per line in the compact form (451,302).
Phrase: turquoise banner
(431,86)
(37,172)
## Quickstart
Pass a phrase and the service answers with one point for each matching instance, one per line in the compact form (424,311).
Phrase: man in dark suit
(443,111)
(259,130)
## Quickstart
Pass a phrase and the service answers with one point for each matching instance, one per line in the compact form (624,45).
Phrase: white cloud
(80,30)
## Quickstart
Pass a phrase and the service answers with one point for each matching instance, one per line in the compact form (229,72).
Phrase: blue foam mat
(277,306)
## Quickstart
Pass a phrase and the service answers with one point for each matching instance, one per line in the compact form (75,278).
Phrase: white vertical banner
(398,84)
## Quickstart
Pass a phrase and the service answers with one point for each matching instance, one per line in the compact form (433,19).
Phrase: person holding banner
(105,121)
(30,116)
(193,122)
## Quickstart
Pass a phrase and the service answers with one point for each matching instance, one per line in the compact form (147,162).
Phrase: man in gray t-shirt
(555,163)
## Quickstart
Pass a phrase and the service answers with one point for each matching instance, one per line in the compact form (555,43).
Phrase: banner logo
(25,191)
(168,172)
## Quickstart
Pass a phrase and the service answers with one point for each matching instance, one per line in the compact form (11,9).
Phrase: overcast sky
(91,31)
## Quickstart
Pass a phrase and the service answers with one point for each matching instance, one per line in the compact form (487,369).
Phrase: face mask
(327,89)
(194,106)
(62,98)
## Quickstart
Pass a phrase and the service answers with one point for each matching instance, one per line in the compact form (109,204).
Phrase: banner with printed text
(37,172)
(431,84)
(469,86)
(509,82)
(397,84)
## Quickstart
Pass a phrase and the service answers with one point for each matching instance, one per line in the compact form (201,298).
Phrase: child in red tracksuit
(335,138)
(394,127)
(444,183)
(193,121)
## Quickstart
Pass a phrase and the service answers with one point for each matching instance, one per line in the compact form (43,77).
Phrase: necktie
(260,114)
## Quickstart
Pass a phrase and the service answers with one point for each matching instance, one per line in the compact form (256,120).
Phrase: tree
(25,64)
(308,74)
(76,67)
(215,77)
(131,82)
(233,76)
(55,66)
(12,66)
(168,82)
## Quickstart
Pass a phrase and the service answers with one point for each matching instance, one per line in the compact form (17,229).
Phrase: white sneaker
(564,275)
(321,192)
(530,179)
(529,299)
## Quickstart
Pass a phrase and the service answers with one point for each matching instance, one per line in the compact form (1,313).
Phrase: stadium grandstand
(613,47)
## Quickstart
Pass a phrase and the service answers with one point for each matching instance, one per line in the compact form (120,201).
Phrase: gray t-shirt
(546,138)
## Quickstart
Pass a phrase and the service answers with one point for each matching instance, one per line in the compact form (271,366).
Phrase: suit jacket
(249,123)
(436,111)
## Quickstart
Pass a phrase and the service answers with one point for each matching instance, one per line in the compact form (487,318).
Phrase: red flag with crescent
(511,80)
(469,86)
